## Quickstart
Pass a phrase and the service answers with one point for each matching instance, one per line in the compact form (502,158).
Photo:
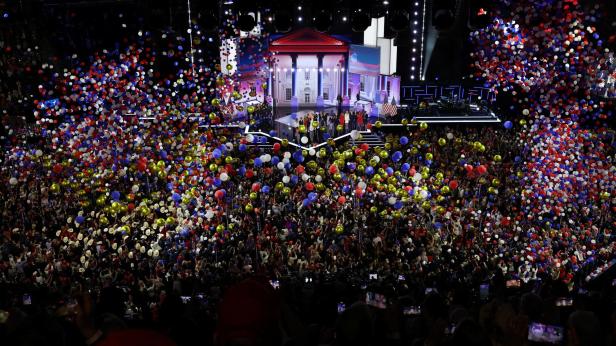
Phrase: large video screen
(364,60)
(251,53)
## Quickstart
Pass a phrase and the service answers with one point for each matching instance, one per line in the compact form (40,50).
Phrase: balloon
(286,179)
(220,194)
(378,124)
(276,146)
(442,141)
(224,176)
(253,196)
(80,219)
(497,158)
(482,169)
(453,184)
(265,189)
(258,162)
(397,156)
(508,124)
(13,181)
(429,156)
(216,153)
(304,139)
(423,125)
(115,195)
(339,229)
(404,140)
(341,199)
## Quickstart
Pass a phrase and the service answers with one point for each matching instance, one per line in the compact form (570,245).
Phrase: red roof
(308,40)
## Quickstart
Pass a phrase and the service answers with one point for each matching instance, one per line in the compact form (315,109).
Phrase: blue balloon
(265,189)
(389,171)
(163,154)
(405,167)
(80,219)
(176,197)
(217,182)
(242,147)
(396,156)
(258,162)
(508,124)
(115,195)
(272,133)
(398,205)
(404,140)
(275,160)
(217,153)
(326,136)
(294,179)
(313,196)
(306,202)
(369,170)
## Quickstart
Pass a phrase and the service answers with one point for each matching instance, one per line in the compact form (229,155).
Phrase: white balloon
(305,177)
(376,158)
(13,181)
(135,188)
(39,152)
(250,138)
(318,178)
(362,185)
(267,158)
(224,176)
(312,152)
(286,179)
(423,194)
(280,165)
(354,134)
(449,135)
(417,177)
(286,155)
(391,200)
(209,214)
(304,140)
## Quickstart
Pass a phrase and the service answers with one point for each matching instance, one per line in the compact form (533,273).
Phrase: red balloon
(256,187)
(333,169)
(276,146)
(453,184)
(359,192)
(482,169)
(341,199)
(249,173)
(57,168)
(220,194)
(299,169)
(365,146)
(142,166)
(309,186)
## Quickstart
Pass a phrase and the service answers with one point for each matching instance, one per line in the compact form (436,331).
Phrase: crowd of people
(121,211)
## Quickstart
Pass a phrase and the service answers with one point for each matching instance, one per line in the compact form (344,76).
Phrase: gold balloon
(442,141)
(423,125)
(253,196)
(429,156)
(286,191)
(339,229)
(378,124)
(249,208)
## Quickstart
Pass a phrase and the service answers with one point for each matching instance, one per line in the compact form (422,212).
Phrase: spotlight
(399,21)
(246,22)
(360,22)
(323,21)
(344,19)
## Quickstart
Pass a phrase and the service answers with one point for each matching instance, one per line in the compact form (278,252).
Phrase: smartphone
(308,279)
(430,290)
(484,291)
(411,310)
(186,299)
(564,302)
(373,276)
(614,282)
(341,307)
(515,283)
(545,333)
(450,330)
(401,278)
(275,284)
(377,300)
(27,299)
